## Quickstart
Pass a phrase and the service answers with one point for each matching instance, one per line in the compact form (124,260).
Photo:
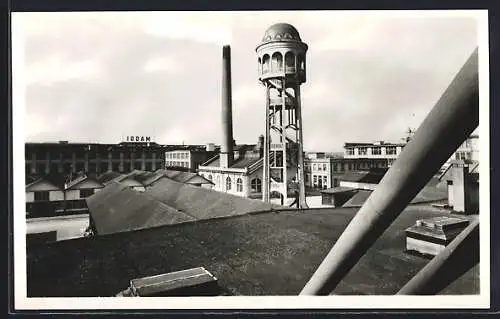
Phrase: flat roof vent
(431,236)
(190,282)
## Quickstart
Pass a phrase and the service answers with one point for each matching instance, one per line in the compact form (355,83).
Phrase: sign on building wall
(138,139)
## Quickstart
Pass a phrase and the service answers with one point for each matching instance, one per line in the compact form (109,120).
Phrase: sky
(99,76)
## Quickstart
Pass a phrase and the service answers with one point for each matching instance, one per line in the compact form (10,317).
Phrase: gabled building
(44,188)
(243,175)
(82,187)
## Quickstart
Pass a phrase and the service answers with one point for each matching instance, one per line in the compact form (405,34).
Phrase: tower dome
(281,32)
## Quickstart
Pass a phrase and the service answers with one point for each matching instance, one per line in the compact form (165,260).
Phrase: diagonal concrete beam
(450,122)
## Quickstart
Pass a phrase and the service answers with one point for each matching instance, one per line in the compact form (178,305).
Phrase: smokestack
(226,150)
(260,146)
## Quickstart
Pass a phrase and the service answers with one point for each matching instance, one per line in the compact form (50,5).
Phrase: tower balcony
(291,74)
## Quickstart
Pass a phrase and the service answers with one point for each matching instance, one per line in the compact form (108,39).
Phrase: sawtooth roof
(105,178)
(117,208)
(58,180)
(203,203)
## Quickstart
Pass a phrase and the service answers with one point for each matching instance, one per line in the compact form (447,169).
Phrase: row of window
(320,181)
(177,164)
(176,155)
(91,168)
(277,62)
(44,196)
(320,167)
(463,155)
(255,184)
(55,157)
(340,167)
(389,150)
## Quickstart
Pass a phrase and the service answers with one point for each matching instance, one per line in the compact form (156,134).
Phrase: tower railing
(447,126)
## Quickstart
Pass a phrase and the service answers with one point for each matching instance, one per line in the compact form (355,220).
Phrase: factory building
(243,177)
(53,195)
(70,158)
(469,150)
(189,158)
(323,171)
(378,150)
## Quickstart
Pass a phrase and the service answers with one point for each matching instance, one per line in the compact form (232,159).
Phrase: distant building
(189,158)
(378,150)
(54,195)
(57,194)
(469,150)
(66,158)
(323,171)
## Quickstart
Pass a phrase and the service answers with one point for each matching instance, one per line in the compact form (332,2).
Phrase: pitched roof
(105,178)
(241,160)
(186,177)
(203,203)
(80,179)
(117,208)
(58,180)
(145,177)
(258,254)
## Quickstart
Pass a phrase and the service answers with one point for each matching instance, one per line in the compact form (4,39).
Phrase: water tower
(282,69)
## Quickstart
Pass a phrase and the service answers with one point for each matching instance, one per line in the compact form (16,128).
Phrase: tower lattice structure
(282,70)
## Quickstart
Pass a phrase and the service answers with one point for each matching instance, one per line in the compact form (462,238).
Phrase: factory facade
(323,171)
(378,150)
(243,177)
(70,158)
(189,158)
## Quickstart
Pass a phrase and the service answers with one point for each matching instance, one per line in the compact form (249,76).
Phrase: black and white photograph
(251,159)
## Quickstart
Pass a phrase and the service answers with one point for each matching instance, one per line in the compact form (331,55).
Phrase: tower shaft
(283,171)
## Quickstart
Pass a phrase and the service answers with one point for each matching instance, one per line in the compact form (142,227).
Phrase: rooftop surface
(371,176)
(272,253)
(245,155)
(117,208)
(434,191)
(203,203)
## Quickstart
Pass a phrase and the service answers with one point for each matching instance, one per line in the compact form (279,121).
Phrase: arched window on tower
(277,62)
(256,185)
(210,177)
(301,62)
(289,62)
(260,66)
(239,185)
(228,183)
(265,63)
